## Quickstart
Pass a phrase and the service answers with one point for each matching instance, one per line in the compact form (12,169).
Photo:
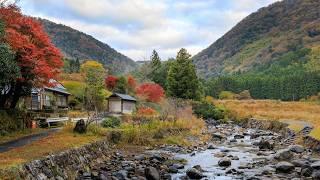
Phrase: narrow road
(4,147)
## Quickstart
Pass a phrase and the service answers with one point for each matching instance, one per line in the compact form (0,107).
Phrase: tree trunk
(16,96)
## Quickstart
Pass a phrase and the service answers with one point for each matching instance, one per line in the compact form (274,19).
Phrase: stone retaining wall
(66,164)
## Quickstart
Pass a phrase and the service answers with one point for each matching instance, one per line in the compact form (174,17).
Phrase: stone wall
(65,165)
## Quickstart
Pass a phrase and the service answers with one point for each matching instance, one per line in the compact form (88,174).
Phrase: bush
(111,122)
(207,110)
(244,95)
(226,95)
(11,121)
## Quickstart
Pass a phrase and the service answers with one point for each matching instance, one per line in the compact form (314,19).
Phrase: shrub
(226,95)
(11,121)
(244,95)
(146,111)
(111,122)
(207,110)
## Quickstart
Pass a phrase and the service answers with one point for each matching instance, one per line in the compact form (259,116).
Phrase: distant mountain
(264,38)
(75,44)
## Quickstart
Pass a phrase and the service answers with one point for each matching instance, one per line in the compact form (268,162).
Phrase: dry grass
(56,142)
(277,110)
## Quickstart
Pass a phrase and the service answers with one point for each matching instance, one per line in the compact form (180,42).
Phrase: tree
(95,92)
(150,91)
(182,81)
(155,60)
(111,82)
(131,83)
(38,59)
(121,86)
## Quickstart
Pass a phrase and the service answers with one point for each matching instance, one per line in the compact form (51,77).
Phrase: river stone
(296,148)
(300,163)
(306,172)
(225,162)
(122,174)
(284,154)
(173,169)
(235,158)
(284,167)
(194,173)
(198,167)
(316,165)
(218,136)
(178,166)
(238,136)
(211,146)
(265,145)
(151,173)
(316,175)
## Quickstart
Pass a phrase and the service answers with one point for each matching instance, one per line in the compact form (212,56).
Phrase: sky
(136,27)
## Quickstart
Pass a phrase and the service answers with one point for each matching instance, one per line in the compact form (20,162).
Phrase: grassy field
(294,113)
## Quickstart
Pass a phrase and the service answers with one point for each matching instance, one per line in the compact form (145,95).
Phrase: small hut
(121,103)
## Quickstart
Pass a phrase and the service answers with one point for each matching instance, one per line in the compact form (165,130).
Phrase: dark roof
(58,87)
(124,96)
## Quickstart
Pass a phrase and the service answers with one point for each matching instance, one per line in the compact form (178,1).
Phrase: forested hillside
(263,39)
(77,45)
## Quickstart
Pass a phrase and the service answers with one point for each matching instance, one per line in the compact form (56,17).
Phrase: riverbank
(251,149)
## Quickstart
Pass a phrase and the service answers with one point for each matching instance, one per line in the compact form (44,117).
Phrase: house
(55,97)
(121,103)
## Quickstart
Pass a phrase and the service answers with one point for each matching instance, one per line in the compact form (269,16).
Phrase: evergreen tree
(155,61)
(182,81)
(121,86)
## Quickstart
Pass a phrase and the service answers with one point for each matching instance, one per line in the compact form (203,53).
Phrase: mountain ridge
(76,44)
(262,37)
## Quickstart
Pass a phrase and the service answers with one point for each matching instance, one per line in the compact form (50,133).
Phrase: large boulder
(194,173)
(151,173)
(225,162)
(283,155)
(296,148)
(80,127)
(284,167)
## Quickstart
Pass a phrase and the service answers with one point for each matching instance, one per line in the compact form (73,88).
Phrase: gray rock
(193,173)
(300,163)
(265,145)
(316,175)
(284,167)
(218,136)
(211,146)
(235,158)
(198,167)
(173,169)
(151,173)
(316,165)
(225,162)
(238,136)
(296,148)
(306,172)
(122,174)
(178,166)
(283,155)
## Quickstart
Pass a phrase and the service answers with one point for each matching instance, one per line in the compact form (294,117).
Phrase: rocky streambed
(232,153)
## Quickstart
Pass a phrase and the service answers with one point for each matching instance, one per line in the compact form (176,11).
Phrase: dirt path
(4,147)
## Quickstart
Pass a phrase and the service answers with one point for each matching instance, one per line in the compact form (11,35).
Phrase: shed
(121,103)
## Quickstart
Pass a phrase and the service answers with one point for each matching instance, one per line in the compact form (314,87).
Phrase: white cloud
(136,27)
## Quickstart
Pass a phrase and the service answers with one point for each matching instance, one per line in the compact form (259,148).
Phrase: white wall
(128,107)
(115,105)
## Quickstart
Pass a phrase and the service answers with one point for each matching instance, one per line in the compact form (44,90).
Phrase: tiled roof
(124,96)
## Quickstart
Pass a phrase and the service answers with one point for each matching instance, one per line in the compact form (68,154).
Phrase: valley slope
(75,44)
(263,39)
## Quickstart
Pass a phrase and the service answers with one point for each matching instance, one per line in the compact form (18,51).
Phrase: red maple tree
(111,82)
(150,91)
(132,82)
(38,59)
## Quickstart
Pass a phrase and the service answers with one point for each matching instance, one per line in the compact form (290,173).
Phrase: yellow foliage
(90,64)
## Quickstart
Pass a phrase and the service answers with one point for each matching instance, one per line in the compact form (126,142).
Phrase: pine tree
(182,81)
(155,61)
